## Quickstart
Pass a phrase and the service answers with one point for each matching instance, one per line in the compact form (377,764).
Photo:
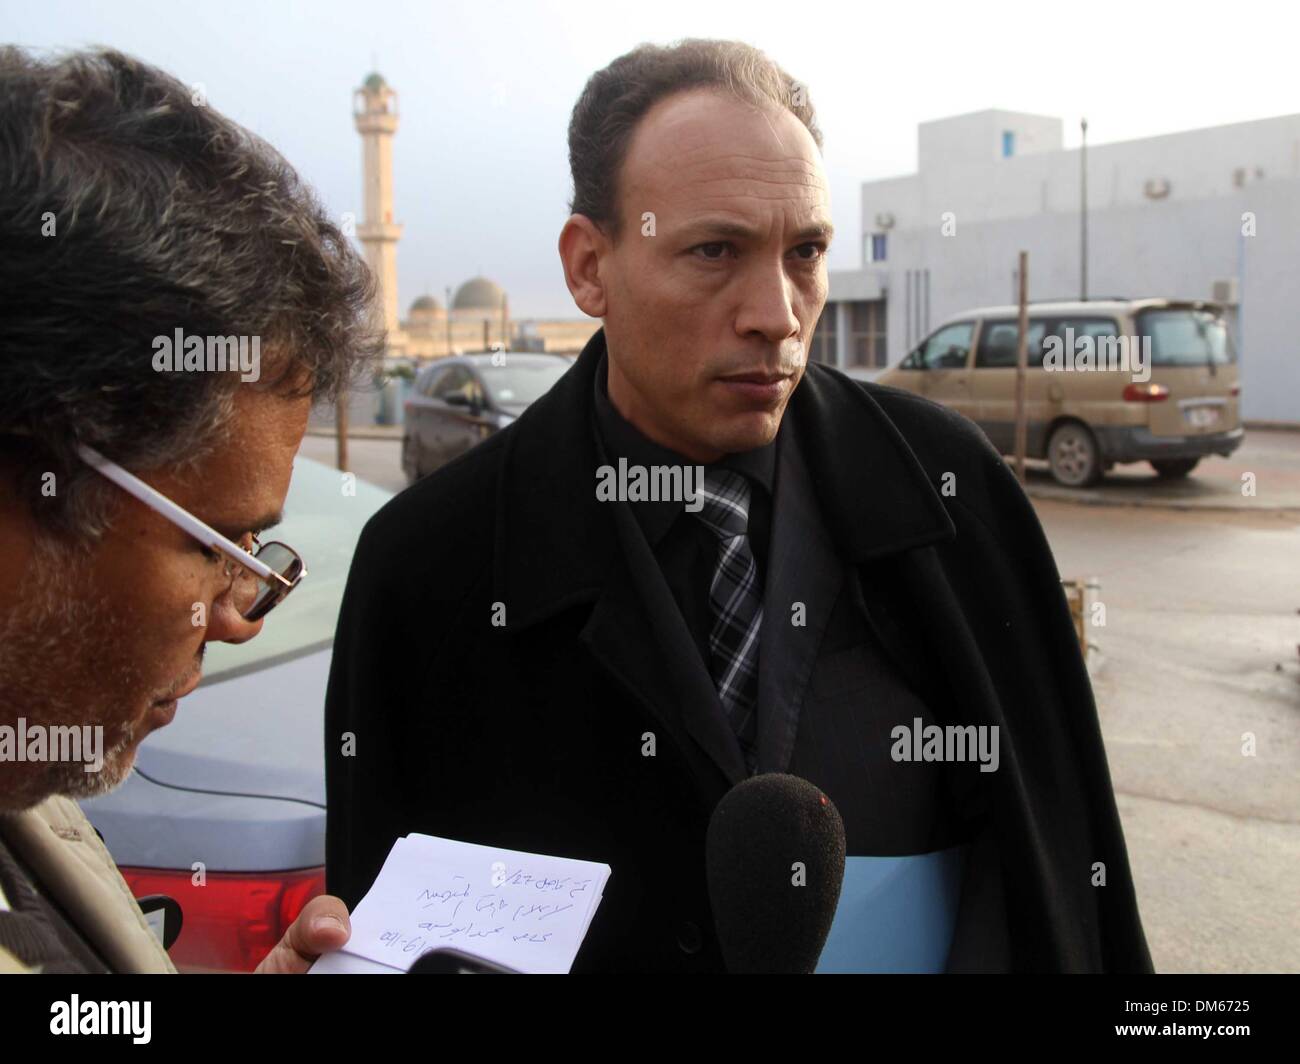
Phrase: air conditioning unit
(1225,292)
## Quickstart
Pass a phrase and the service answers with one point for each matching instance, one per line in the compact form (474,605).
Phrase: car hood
(255,733)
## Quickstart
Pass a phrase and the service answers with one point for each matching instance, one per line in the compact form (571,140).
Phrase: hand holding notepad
(526,911)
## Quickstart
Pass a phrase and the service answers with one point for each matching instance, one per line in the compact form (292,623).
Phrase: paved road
(1267,463)
(378,461)
(1199,649)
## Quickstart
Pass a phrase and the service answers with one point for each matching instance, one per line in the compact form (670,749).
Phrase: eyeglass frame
(187,522)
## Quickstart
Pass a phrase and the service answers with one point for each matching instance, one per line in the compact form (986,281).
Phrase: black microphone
(447,961)
(775,863)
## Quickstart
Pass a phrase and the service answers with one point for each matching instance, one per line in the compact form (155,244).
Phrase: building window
(875,247)
(867,333)
(1008,143)
(824,338)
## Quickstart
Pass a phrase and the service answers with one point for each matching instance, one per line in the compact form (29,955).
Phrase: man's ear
(582,248)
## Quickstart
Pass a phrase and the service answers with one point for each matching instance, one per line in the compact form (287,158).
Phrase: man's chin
(747,432)
(118,764)
(72,780)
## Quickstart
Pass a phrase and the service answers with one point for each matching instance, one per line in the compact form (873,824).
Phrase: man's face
(115,637)
(708,321)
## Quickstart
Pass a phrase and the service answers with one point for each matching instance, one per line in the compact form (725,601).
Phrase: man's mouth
(759,387)
(756,378)
(186,687)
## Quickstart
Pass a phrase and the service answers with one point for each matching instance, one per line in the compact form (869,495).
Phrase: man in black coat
(534,655)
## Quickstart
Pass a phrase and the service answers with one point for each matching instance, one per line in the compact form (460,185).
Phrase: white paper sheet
(526,911)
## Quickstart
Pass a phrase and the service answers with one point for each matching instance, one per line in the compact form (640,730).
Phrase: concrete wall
(1175,246)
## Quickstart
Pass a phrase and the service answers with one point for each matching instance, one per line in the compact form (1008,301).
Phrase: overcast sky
(486,88)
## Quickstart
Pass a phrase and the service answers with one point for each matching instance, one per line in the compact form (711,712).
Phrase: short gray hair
(617,97)
(165,215)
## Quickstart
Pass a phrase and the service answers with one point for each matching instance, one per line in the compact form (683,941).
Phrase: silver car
(457,402)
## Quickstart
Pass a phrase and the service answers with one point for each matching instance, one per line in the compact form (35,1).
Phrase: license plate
(1201,417)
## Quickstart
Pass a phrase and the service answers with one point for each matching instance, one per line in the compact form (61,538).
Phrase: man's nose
(767,307)
(225,625)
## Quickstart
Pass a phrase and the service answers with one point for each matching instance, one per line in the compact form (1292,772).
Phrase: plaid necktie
(737,605)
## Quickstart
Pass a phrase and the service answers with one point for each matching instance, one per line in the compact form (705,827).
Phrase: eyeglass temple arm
(159,503)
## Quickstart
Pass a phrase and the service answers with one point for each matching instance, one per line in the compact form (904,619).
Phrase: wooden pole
(341,430)
(1022,360)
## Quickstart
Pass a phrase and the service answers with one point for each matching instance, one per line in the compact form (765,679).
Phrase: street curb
(1093,498)
(363,432)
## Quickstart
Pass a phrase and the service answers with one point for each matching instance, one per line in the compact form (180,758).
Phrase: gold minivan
(1108,381)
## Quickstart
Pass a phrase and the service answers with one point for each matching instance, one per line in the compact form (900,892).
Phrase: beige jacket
(70,863)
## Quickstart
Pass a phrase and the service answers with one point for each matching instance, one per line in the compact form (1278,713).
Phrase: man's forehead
(703,146)
(241,483)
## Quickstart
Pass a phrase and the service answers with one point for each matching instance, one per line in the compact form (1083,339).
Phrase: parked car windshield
(324,515)
(522,381)
(1186,337)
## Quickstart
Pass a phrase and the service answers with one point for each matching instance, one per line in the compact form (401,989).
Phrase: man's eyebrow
(725,227)
(261,524)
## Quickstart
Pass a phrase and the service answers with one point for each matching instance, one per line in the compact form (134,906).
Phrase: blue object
(895,914)
(1008,143)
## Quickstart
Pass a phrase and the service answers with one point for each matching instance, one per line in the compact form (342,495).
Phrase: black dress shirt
(687,551)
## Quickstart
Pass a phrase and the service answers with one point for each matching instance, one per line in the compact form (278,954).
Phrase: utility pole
(1083,212)
(1022,361)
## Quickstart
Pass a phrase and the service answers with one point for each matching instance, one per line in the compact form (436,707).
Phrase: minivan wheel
(1073,455)
(1172,468)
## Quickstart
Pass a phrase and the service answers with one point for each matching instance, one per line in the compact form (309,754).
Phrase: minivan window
(1071,330)
(948,348)
(1186,337)
(999,344)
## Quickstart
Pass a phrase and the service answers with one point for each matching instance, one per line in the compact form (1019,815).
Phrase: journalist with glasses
(133,500)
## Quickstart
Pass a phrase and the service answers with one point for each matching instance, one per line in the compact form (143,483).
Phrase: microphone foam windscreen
(775,864)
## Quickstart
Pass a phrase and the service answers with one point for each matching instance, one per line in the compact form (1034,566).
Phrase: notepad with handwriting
(526,911)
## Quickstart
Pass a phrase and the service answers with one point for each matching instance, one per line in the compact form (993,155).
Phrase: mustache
(185,681)
(784,363)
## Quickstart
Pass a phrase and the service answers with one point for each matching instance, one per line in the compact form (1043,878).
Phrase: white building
(1179,216)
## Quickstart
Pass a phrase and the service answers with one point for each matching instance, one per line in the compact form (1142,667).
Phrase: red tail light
(233,920)
(1145,393)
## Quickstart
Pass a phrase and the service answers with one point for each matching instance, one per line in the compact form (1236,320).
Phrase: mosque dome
(479,293)
(426,305)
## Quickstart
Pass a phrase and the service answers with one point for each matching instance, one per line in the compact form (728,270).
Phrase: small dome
(479,293)
(426,304)
(376,83)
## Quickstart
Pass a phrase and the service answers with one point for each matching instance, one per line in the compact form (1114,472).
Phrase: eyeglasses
(260,579)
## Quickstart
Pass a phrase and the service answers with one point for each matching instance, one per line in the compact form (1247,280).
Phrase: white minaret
(374,109)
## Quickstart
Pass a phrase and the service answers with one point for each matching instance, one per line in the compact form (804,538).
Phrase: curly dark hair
(128,209)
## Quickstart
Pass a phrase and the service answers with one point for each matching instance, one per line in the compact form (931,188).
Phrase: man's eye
(210,554)
(716,245)
(819,248)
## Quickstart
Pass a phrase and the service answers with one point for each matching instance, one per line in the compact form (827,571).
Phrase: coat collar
(70,865)
(555,542)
